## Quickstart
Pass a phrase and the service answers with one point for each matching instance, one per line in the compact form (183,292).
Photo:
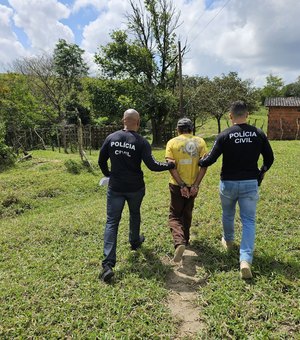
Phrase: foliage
(69,65)
(7,156)
(157,102)
(124,59)
(219,93)
(293,89)
(101,121)
(103,98)
(54,80)
(51,256)
(110,98)
(18,107)
(75,109)
(74,167)
(150,58)
(42,82)
(70,69)
(194,95)
(274,87)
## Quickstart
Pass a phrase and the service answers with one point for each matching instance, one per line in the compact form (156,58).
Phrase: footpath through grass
(51,240)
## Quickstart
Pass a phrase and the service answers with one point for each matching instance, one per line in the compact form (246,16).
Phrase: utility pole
(180,81)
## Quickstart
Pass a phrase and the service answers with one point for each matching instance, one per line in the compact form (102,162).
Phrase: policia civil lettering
(242,137)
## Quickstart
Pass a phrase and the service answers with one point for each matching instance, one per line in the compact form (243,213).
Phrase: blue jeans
(114,208)
(246,194)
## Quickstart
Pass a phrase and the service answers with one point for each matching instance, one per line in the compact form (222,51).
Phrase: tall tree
(70,69)
(42,83)
(69,65)
(273,88)
(54,79)
(149,58)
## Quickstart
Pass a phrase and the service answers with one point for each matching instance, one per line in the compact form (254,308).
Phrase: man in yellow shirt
(186,150)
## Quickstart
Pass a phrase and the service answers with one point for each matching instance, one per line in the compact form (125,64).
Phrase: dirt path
(183,286)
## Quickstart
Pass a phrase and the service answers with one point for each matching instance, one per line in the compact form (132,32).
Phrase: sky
(254,38)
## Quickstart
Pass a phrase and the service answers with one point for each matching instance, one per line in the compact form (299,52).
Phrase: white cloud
(11,48)
(253,37)
(40,22)
(98,4)
(93,68)
(97,32)
(6,14)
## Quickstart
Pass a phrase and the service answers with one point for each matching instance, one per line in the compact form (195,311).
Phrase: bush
(7,156)
(73,167)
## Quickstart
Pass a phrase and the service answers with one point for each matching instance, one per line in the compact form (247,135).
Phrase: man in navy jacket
(126,149)
(241,146)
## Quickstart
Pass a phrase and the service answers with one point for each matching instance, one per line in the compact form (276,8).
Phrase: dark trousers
(180,216)
(115,205)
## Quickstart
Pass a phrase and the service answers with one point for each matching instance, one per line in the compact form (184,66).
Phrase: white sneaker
(245,270)
(178,253)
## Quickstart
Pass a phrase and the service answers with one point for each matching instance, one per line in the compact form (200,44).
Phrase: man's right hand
(260,177)
(185,192)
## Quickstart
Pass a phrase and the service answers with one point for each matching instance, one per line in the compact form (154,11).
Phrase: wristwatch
(182,185)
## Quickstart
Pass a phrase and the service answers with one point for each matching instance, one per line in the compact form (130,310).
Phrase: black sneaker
(137,245)
(106,274)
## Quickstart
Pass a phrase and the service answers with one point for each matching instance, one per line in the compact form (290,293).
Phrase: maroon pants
(180,217)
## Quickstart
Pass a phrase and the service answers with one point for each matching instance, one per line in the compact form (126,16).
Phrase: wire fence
(66,137)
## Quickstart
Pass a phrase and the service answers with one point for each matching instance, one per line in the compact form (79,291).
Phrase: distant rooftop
(282,101)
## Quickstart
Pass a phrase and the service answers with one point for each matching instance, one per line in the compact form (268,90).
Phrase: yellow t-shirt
(186,150)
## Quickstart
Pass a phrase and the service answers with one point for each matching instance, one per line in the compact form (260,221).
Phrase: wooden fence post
(57,136)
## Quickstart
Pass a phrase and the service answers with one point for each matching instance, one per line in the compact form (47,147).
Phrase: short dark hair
(185,125)
(238,108)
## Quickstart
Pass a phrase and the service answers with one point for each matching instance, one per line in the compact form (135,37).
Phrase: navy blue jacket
(241,145)
(126,150)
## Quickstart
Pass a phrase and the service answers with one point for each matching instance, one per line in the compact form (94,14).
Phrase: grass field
(51,231)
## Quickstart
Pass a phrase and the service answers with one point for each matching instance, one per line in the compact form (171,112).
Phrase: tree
(19,109)
(293,89)
(220,92)
(107,98)
(42,82)
(103,99)
(194,100)
(7,156)
(53,79)
(273,87)
(150,58)
(70,69)
(69,65)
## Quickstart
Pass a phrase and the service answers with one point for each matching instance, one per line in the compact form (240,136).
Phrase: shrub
(72,166)
(7,156)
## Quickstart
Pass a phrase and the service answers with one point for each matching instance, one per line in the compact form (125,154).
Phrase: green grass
(51,229)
